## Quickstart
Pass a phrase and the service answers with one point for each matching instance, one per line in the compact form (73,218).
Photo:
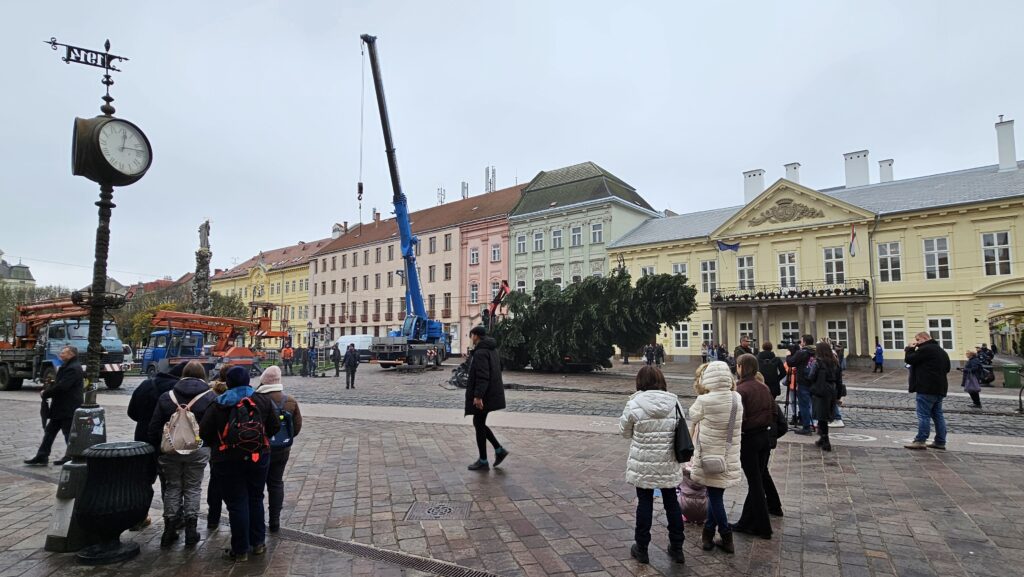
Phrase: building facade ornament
(786,210)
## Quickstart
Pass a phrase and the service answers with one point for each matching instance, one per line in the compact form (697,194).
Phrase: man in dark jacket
(744,348)
(484,393)
(351,363)
(65,395)
(929,365)
(241,472)
(799,361)
(770,367)
(144,399)
(336,359)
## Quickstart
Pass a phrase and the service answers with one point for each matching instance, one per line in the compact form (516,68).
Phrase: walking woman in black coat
(484,393)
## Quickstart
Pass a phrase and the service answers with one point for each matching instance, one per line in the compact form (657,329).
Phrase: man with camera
(929,365)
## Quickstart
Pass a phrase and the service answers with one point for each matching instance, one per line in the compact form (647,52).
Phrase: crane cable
(362,118)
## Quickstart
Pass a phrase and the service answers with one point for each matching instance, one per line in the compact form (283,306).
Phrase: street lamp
(309,334)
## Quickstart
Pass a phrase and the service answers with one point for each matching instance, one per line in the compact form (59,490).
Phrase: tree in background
(11,296)
(575,328)
(228,306)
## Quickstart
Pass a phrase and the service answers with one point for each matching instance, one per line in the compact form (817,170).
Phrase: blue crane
(420,338)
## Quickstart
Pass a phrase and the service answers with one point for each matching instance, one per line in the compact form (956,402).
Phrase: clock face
(124,147)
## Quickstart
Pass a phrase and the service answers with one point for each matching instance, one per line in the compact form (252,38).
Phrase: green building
(566,218)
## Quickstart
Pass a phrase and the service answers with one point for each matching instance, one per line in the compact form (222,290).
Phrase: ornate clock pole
(110,152)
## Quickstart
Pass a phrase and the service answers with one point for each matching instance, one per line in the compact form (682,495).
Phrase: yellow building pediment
(788,206)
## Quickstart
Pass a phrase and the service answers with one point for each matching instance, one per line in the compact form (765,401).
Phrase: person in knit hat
(241,470)
(288,414)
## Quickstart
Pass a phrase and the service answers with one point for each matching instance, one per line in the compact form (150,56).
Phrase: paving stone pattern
(560,507)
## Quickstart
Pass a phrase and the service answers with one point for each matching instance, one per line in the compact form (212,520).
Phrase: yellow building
(862,263)
(279,276)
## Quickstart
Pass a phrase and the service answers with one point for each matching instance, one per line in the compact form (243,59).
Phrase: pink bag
(693,499)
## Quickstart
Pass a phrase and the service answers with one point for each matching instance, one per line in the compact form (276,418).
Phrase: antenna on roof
(494,180)
(440,195)
(465,190)
(234,261)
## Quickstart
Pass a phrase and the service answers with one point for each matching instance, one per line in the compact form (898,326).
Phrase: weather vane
(95,58)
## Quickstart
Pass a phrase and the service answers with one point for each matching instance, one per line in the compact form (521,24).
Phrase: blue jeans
(717,518)
(929,408)
(836,413)
(645,516)
(803,395)
(241,483)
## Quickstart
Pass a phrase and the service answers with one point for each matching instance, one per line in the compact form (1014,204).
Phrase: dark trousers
(878,368)
(350,378)
(976,397)
(214,497)
(54,426)
(483,435)
(275,484)
(288,367)
(242,484)
(717,517)
(645,514)
(755,449)
(337,368)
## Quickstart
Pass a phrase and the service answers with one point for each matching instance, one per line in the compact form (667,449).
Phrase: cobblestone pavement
(558,507)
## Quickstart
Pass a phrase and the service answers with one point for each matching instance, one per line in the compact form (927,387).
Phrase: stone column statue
(201,303)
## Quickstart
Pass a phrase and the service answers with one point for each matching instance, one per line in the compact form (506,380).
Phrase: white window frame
(495,287)
(474,256)
(789,331)
(538,241)
(938,325)
(521,285)
(745,272)
(576,236)
(597,233)
(647,270)
(681,336)
(495,253)
(745,329)
(894,338)
(679,268)
(934,268)
(474,293)
(835,264)
(521,244)
(707,333)
(556,239)
(993,250)
(890,264)
(789,269)
(708,276)
(838,331)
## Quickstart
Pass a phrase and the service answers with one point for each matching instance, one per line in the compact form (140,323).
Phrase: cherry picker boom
(418,335)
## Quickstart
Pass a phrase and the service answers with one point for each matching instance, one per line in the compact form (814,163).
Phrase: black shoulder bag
(683,443)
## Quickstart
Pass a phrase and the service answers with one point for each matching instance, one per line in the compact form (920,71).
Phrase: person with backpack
(716,418)
(238,427)
(649,420)
(771,367)
(288,414)
(351,362)
(826,387)
(803,362)
(174,431)
(759,423)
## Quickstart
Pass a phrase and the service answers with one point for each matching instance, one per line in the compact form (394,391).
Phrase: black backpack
(284,436)
(244,430)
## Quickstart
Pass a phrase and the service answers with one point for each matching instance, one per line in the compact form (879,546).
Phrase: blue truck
(171,344)
(420,340)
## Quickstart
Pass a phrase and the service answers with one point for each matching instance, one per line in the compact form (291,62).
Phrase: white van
(362,343)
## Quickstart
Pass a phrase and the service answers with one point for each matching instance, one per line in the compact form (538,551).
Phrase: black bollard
(117,495)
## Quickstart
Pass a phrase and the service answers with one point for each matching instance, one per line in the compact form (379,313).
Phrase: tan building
(859,263)
(15,275)
(357,279)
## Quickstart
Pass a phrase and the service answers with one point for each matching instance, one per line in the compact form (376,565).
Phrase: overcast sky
(253,108)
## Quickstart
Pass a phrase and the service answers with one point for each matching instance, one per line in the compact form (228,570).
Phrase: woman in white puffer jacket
(650,419)
(709,419)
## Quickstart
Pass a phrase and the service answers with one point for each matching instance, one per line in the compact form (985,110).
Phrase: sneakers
(479,465)
(230,555)
(640,554)
(260,549)
(936,446)
(916,446)
(499,455)
(836,424)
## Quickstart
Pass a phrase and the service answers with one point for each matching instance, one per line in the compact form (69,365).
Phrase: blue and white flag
(727,246)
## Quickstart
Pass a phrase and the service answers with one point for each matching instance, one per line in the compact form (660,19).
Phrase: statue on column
(201,303)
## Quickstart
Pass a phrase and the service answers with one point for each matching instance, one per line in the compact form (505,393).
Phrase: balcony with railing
(401,316)
(446,313)
(376,317)
(363,317)
(351,318)
(850,290)
(388,316)
(330,320)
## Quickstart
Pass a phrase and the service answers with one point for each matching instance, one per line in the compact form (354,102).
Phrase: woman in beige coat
(716,416)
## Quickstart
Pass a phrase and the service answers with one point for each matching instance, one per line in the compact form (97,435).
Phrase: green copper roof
(575,184)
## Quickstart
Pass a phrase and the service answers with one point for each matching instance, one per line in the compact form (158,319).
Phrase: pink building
(484,260)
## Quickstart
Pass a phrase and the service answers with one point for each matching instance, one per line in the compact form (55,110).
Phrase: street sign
(88,57)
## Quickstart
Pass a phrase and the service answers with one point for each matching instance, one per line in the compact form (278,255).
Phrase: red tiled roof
(285,257)
(474,208)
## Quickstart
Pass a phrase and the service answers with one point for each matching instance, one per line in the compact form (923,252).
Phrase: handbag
(683,443)
(716,464)
(971,383)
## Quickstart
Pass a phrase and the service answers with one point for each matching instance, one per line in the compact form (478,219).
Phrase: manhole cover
(853,437)
(437,511)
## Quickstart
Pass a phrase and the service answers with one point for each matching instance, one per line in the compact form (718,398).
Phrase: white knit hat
(717,377)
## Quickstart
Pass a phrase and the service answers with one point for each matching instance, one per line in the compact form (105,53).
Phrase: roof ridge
(913,178)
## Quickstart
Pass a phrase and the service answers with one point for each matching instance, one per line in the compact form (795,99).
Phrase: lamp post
(309,334)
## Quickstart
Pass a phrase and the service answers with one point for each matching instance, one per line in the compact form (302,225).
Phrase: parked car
(362,343)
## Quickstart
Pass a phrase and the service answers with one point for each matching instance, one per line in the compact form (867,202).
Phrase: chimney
(217,271)
(753,184)
(793,172)
(344,227)
(376,216)
(1007,148)
(885,170)
(336,231)
(857,168)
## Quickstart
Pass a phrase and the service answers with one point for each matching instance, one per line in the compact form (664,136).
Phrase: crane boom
(408,241)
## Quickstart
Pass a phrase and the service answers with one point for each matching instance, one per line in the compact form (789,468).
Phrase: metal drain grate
(405,560)
(437,511)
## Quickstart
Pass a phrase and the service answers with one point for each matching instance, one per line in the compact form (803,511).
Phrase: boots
(170,535)
(726,543)
(707,539)
(640,554)
(191,532)
(824,443)
(675,553)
